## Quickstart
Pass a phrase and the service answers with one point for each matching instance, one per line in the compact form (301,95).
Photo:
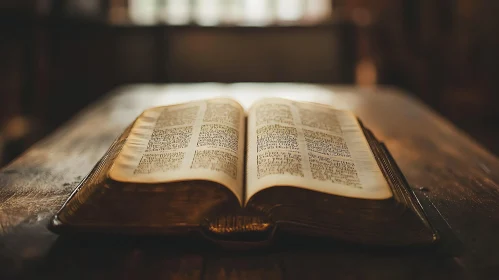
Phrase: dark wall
(444,52)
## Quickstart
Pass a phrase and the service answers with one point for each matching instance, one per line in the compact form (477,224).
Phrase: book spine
(233,224)
(232,230)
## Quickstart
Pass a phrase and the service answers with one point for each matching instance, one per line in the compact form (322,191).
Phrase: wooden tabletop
(456,180)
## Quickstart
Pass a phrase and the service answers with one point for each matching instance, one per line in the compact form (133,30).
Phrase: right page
(310,146)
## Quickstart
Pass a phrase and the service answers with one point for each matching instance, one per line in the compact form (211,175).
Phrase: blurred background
(58,56)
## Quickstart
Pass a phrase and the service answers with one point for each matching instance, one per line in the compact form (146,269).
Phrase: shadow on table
(144,258)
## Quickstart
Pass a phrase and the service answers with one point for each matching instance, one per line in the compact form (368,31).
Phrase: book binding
(245,229)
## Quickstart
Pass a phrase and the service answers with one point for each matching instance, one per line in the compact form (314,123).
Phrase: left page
(201,140)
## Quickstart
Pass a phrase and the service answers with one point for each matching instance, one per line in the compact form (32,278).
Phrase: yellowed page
(310,146)
(202,140)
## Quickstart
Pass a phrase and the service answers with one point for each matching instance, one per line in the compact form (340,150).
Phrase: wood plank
(456,179)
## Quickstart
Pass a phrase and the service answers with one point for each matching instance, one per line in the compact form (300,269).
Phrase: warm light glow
(317,10)
(290,10)
(177,12)
(257,12)
(232,11)
(207,12)
(246,93)
(216,12)
(142,12)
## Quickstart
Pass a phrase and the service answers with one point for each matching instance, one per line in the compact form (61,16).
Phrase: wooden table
(456,180)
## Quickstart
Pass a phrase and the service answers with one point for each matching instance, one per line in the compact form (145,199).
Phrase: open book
(284,167)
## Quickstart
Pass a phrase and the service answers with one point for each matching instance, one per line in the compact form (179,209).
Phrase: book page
(310,146)
(201,140)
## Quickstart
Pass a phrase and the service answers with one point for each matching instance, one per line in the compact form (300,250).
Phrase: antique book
(210,169)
